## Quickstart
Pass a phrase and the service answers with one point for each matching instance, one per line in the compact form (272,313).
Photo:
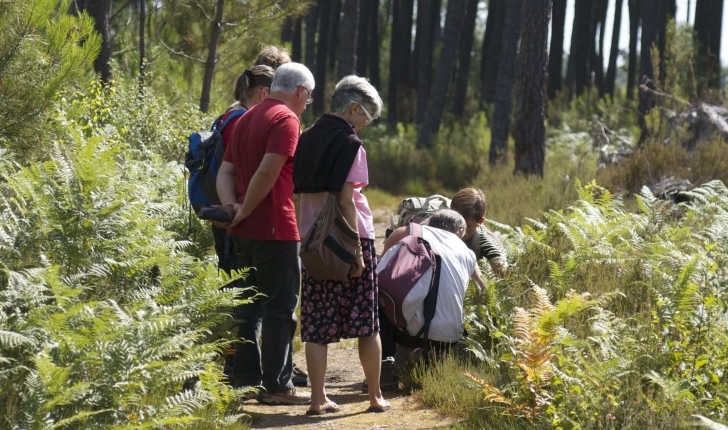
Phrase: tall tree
(348,33)
(556,53)
(321,56)
(444,73)
(394,63)
(100,11)
(362,47)
(465,51)
(424,55)
(504,87)
(597,64)
(614,51)
(216,28)
(635,21)
(529,132)
(287,30)
(581,46)
(650,33)
(374,44)
(405,47)
(296,43)
(334,30)
(492,43)
(311,20)
(142,39)
(715,37)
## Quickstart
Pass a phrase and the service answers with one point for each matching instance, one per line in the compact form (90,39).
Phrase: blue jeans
(270,319)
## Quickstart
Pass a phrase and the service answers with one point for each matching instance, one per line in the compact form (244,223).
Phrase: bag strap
(442,198)
(233,115)
(416,230)
(430,306)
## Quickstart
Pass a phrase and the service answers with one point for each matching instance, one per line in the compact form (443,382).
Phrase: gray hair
(290,76)
(356,89)
(448,219)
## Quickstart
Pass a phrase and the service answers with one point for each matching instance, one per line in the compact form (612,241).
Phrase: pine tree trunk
(142,40)
(492,43)
(362,48)
(614,51)
(598,64)
(321,56)
(405,47)
(211,56)
(424,57)
(374,45)
(715,37)
(297,39)
(506,76)
(334,30)
(348,33)
(311,21)
(287,30)
(703,24)
(650,31)
(529,132)
(465,50)
(444,73)
(394,63)
(635,10)
(581,46)
(100,11)
(556,53)
(437,31)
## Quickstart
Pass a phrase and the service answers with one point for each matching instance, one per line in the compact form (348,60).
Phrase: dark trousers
(269,320)
(386,334)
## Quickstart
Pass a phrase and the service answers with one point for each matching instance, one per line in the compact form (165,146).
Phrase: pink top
(311,204)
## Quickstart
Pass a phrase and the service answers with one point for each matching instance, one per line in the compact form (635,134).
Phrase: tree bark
(650,32)
(334,31)
(362,48)
(142,40)
(347,36)
(614,51)
(445,71)
(405,47)
(581,46)
(635,20)
(374,45)
(437,31)
(556,53)
(506,76)
(598,63)
(394,64)
(465,50)
(424,56)
(297,39)
(715,36)
(100,11)
(215,31)
(321,56)
(311,20)
(529,132)
(492,43)
(287,30)
(703,21)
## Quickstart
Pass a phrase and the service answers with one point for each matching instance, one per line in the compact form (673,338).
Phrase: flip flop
(378,409)
(330,408)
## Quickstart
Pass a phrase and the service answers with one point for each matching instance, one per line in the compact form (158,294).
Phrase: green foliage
(104,314)
(42,50)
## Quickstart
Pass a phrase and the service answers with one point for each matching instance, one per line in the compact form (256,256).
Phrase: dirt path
(343,382)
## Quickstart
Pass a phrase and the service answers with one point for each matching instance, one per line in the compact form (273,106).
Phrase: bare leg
(316,357)
(370,354)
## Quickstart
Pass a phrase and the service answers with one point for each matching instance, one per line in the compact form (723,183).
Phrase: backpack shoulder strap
(233,115)
(415,229)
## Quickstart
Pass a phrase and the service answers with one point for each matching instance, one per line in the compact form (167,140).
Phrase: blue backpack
(203,159)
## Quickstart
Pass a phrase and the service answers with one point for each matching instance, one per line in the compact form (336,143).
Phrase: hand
(238,215)
(229,210)
(358,267)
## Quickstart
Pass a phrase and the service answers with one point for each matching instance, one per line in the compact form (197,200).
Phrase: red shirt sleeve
(283,136)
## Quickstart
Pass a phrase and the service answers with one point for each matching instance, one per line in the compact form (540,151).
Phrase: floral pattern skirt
(335,310)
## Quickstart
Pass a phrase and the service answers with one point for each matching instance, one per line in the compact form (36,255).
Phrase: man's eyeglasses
(366,112)
(310,99)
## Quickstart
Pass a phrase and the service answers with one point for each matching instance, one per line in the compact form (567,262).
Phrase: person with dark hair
(330,158)
(273,56)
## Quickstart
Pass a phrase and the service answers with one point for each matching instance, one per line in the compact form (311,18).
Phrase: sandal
(331,408)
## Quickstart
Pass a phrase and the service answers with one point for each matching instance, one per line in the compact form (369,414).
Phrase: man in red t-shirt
(255,184)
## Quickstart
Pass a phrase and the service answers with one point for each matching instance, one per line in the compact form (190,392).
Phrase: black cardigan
(324,155)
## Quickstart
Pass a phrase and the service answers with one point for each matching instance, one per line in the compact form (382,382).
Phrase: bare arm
(260,185)
(348,209)
(226,183)
(478,279)
(395,237)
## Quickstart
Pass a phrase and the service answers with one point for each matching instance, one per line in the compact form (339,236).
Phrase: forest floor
(344,377)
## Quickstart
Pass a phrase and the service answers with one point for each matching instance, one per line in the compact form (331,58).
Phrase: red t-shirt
(269,127)
(228,132)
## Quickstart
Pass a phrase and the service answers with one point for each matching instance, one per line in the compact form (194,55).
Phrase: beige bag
(329,247)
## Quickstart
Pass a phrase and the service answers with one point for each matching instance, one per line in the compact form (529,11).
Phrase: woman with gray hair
(330,157)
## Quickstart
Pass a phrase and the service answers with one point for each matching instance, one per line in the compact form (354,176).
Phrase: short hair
(272,56)
(290,75)
(449,220)
(256,76)
(470,203)
(353,88)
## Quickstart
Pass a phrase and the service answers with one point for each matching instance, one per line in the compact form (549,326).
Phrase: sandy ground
(343,385)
